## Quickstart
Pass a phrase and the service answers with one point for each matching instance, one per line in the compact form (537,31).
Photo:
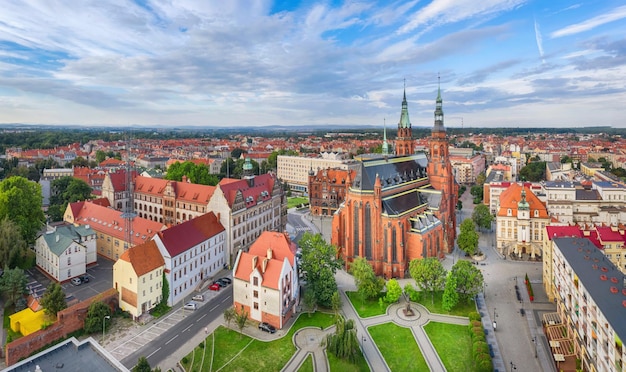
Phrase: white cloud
(539,40)
(612,16)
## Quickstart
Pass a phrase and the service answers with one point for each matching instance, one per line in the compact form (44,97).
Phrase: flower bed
(529,288)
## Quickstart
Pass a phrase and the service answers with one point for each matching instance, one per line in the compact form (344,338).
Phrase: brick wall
(68,321)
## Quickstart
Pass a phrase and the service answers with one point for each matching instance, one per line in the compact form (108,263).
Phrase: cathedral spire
(385,144)
(404,115)
(439,109)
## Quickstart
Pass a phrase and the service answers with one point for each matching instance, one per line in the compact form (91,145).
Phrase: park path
(308,340)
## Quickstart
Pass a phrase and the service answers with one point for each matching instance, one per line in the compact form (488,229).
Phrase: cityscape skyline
(502,63)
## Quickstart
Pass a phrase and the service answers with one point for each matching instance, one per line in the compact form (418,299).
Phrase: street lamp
(103,324)
(535,342)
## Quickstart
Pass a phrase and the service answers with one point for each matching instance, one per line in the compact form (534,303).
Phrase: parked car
(266,327)
(191,306)
(226,280)
(220,283)
(76,281)
(84,278)
(198,297)
(214,287)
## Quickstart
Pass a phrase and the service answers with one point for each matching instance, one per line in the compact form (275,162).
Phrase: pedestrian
(206,330)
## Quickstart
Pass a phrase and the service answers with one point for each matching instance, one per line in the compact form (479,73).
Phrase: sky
(229,63)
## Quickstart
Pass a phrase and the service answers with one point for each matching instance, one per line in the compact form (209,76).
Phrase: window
(255,281)
(256,294)
(256,306)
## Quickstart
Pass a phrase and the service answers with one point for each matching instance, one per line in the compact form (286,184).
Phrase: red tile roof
(563,231)
(179,238)
(264,182)
(185,191)
(144,257)
(607,235)
(109,221)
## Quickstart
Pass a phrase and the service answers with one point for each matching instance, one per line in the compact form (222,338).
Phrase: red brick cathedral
(402,207)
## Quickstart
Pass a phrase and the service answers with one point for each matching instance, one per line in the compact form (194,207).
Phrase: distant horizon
(497,63)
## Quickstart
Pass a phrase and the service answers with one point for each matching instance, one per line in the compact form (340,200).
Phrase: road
(166,344)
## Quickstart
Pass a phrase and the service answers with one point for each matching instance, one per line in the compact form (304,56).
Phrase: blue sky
(502,63)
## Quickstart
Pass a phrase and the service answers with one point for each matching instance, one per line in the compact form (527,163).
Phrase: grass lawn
(342,365)
(258,355)
(461,309)
(307,365)
(367,308)
(399,347)
(296,201)
(453,344)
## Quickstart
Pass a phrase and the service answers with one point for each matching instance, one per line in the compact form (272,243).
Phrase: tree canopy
(20,201)
(394,291)
(534,171)
(66,190)
(367,283)
(468,237)
(13,285)
(318,266)
(196,173)
(469,279)
(482,217)
(96,314)
(53,299)
(429,274)
(450,295)
(12,245)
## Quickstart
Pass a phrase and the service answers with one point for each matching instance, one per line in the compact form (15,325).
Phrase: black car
(266,327)
(84,278)
(225,280)
(220,283)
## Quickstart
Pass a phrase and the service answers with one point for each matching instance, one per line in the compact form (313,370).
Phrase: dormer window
(509,212)
(536,213)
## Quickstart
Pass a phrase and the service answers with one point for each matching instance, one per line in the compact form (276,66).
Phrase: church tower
(441,176)
(404,140)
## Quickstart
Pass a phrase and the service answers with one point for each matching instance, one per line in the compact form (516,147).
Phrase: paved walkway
(308,341)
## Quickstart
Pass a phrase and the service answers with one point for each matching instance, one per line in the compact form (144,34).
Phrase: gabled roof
(607,235)
(110,222)
(279,246)
(61,237)
(510,198)
(118,179)
(179,238)
(185,191)
(260,190)
(563,231)
(144,258)
(391,170)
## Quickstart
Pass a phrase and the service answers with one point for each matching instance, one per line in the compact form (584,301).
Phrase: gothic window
(425,248)
(385,258)
(394,248)
(438,241)
(355,223)
(368,231)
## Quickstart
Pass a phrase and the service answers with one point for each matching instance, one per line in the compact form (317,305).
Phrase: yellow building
(138,278)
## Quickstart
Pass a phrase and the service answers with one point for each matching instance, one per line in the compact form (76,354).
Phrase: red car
(214,287)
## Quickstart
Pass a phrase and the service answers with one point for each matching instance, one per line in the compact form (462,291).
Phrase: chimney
(269,253)
(265,261)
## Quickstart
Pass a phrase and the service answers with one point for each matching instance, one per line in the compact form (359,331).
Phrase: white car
(198,297)
(76,281)
(191,306)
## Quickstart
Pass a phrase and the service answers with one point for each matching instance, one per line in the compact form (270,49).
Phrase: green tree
(78,162)
(367,283)
(96,313)
(309,300)
(534,171)
(482,217)
(343,343)
(480,179)
(12,245)
(66,190)
(469,280)
(142,365)
(429,274)
(318,266)
(53,299)
(20,201)
(450,296)
(241,318)
(394,291)
(468,237)
(196,173)
(477,192)
(335,301)
(229,315)
(13,285)
(100,156)
(236,153)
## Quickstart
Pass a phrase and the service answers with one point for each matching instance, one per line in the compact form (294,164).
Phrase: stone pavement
(309,341)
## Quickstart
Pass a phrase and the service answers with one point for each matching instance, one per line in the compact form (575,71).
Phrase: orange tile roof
(281,248)
(144,257)
(179,238)
(512,195)
(110,222)
(264,182)
(185,191)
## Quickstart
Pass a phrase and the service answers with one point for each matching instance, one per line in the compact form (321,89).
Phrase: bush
(185,360)
(473,316)
(480,347)
(475,323)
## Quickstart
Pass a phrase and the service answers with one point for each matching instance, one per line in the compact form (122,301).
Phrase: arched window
(368,231)
(394,248)
(355,222)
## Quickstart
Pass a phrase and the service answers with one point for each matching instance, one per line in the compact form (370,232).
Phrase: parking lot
(100,279)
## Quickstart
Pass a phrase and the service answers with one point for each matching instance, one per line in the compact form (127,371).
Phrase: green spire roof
(404,116)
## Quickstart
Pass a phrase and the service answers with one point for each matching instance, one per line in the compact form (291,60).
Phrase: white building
(193,251)
(64,252)
(591,301)
(294,170)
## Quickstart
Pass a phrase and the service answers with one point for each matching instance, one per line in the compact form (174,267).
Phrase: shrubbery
(480,348)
